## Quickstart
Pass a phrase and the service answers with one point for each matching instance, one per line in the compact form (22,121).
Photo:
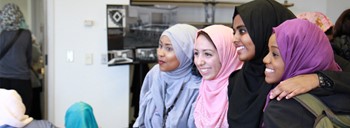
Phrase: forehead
(204,42)
(165,39)
(237,20)
(272,40)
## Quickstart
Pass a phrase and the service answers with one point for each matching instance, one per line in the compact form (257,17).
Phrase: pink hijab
(212,102)
(318,18)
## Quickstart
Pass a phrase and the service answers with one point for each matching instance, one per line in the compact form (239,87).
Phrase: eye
(242,31)
(234,32)
(169,48)
(274,54)
(195,53)
(208,54)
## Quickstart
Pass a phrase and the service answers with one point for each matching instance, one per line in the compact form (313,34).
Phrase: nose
(236,38)
(266,59)
(160,52)
(199,61)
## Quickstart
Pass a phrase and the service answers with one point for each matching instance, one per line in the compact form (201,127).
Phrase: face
(206,58)
(166,55)
(243,42)
(273,62)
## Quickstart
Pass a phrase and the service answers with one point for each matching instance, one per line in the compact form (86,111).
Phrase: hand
(294,86)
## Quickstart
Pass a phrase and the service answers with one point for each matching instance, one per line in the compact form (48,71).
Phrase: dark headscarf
(247,88)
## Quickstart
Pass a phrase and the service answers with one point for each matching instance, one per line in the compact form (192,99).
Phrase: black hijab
(247,88)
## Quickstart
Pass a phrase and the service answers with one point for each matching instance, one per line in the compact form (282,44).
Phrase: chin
(208,77)
(163,69)
(245,58)
(269,81)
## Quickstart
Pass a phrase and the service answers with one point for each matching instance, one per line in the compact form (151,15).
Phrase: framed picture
(116,16)
(116,57)
(146,54)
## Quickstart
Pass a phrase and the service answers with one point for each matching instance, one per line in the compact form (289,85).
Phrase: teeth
(204,70)
(240,48)
(269,70)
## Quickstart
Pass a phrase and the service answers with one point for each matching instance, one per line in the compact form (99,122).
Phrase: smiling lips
(269,70)
(203,71)
(240,48)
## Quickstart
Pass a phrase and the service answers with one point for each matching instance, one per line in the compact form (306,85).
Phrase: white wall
(106,89)
(334,9)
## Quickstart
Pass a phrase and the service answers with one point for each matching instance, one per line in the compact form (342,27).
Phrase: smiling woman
(274,62)
(298,47)
(216,58)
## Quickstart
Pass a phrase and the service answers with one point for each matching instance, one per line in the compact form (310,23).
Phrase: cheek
(217,66)
(173,59)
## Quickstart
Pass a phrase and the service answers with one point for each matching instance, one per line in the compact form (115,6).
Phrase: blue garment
(167,98)
(80,115)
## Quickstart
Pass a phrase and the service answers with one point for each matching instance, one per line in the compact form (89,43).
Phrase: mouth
(269,70)
(203,71)
(240,48)
(161,62)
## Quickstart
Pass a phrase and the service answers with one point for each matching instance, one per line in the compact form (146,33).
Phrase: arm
(304,83)
(29,47)
(341,80)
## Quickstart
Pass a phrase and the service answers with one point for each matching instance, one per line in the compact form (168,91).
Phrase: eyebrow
(204,50)
(166,43)
(240,26)
(274,46)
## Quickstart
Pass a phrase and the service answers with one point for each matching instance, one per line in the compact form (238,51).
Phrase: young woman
(14,65)
(248,90)
(216,58)
(299,47)
(169,88)
(252,27)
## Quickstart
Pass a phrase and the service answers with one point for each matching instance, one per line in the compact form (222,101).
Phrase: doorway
(33,12)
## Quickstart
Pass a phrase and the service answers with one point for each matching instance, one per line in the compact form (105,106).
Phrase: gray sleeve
(40,124)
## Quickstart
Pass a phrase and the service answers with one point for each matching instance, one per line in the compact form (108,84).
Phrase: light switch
(70,56)
(88,59)
(104,59)
(88,23)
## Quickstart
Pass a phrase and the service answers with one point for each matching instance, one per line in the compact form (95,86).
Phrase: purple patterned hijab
(304,48)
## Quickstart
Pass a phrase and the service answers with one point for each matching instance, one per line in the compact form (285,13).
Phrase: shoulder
(40,124)
(26,32)
(153,72)
(193,83)
(235,74)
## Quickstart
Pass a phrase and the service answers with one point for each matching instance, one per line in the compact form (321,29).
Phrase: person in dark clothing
(341,36)
(14,65)
(298,47)
(247,90)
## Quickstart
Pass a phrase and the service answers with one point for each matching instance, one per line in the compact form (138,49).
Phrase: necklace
(165,110)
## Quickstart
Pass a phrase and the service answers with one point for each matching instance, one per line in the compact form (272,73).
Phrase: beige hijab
(12,109)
